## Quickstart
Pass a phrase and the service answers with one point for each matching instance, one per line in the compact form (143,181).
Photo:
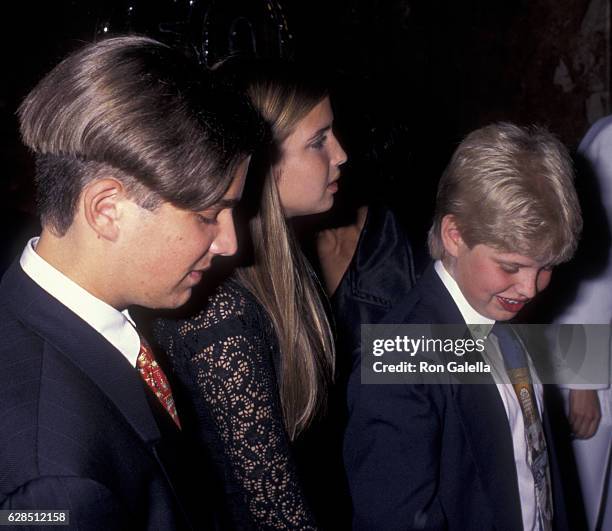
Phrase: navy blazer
(433,456)
(78,426)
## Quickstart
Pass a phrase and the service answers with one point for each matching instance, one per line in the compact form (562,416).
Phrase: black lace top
(223,358)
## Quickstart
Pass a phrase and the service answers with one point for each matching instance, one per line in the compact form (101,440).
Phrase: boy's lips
(196,274)
(512,305)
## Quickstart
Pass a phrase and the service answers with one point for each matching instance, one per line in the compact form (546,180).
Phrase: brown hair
(138,109)
(512,188)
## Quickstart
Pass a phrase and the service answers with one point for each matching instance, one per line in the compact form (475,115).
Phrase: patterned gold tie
(155,378)
(517,368)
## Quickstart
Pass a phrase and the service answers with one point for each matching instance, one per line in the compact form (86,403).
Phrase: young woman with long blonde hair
(256,360)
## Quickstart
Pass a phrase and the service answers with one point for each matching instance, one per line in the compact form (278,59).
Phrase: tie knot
(510,346)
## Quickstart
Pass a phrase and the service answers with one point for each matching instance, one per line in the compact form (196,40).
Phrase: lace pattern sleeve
(223,357)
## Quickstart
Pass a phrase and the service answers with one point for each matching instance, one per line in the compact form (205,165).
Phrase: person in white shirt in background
(588,406)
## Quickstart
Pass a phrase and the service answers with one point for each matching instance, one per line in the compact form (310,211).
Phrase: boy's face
(497,284)
(169,249)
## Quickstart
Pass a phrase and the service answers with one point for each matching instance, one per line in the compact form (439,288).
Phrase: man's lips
(512,305)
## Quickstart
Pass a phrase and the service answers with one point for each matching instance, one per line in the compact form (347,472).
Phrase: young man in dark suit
(473,457)
(139,162)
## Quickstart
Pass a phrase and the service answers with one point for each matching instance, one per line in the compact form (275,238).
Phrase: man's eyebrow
(320,132)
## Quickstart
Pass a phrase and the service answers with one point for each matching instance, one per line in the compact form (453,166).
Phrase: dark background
(411,78)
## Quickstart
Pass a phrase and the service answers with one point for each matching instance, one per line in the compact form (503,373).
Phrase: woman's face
(308,172)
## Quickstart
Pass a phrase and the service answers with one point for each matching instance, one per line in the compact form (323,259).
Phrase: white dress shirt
(494,357)
(115,326)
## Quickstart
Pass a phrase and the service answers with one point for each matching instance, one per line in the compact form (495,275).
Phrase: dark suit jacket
(433,456)
(78,429)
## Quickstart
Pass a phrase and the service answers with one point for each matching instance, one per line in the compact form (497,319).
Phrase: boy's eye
(511,269)
(208,219)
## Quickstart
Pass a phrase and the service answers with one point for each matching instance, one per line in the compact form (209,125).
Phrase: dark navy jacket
(433,457)
(79,431)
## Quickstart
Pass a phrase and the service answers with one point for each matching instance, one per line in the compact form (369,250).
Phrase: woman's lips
(333,186)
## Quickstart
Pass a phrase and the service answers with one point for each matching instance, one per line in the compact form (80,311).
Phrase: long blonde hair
(281,277)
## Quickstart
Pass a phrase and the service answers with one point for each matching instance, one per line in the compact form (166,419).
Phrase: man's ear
(101,202)
(451,236)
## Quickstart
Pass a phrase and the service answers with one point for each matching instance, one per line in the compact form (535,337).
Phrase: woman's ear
(451,236)
(101,201)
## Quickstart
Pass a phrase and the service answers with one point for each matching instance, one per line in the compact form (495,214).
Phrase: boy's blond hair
(511,188)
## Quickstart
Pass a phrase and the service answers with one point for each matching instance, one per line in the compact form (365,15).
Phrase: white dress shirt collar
(115,326)
(470,316)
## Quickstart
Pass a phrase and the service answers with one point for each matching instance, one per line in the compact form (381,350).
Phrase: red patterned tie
(153,374)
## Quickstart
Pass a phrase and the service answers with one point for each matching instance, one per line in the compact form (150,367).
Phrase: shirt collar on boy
(115,326)
(470,316)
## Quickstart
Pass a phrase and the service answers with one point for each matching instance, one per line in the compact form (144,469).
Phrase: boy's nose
(528,284)
(225,243)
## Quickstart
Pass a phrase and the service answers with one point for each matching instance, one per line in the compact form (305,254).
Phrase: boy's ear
(101,202)
(451,236)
